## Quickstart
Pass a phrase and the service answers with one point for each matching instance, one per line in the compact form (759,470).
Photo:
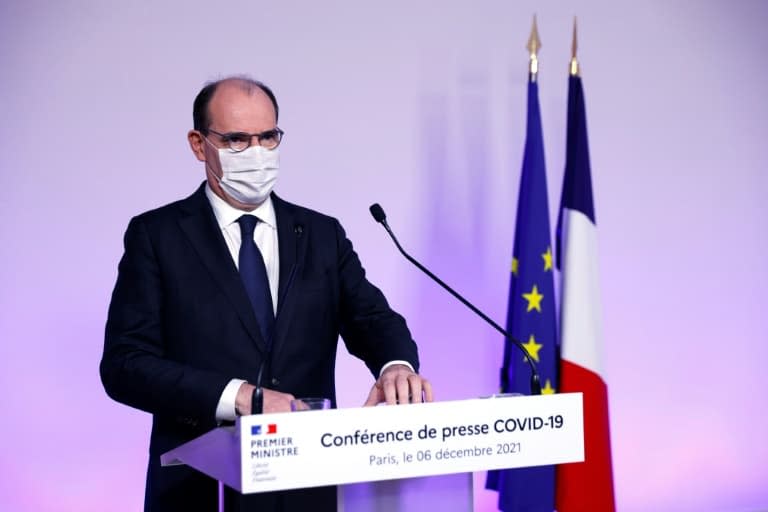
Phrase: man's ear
(196,143)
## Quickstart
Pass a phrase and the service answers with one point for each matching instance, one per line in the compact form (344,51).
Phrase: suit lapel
(199,224)
(291,227)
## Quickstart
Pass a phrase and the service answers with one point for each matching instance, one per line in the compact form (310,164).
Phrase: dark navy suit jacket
(180,327)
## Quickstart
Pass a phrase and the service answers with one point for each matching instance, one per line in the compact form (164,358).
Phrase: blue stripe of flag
(577,183)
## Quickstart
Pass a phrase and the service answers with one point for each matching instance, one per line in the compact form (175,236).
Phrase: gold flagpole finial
(533,46)
(574,47)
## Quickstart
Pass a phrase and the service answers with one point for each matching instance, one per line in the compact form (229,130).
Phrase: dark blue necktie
(254,276)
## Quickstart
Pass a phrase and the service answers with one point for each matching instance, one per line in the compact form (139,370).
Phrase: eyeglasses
(240,141)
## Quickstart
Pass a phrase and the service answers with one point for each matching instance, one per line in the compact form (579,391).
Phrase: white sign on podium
(330,447)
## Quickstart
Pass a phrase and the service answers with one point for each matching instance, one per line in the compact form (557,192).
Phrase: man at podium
(231,302)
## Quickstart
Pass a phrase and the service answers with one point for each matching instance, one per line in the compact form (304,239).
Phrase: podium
(386,444)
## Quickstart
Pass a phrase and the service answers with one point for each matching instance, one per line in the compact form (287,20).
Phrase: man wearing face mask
(231,301)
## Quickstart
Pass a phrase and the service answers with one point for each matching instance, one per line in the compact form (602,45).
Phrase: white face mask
(250,175)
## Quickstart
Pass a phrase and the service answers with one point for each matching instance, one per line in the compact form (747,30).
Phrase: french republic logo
(271,428)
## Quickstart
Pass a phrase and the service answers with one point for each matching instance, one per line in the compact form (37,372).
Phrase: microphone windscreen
(378,213)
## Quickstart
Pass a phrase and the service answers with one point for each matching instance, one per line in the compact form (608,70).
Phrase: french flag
(256,430)
(586,486)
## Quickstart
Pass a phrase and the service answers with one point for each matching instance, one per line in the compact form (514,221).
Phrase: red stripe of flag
(587,486)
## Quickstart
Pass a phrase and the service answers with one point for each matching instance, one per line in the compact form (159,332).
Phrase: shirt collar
(227,214)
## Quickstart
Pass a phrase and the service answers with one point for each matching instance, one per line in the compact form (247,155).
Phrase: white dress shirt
(265,236)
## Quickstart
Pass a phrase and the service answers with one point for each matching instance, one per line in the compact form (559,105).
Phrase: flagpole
(574,66)
(533,47)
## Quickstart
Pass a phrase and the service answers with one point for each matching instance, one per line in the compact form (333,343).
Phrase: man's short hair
(200,117)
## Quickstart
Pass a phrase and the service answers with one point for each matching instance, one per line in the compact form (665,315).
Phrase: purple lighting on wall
(419,106)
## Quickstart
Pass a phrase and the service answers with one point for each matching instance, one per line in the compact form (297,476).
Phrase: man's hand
(274,401)
(398,384)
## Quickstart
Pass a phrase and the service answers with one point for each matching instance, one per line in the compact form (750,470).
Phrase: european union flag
(531,316)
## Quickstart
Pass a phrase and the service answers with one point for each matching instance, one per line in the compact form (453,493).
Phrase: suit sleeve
(134,367)
(371,330)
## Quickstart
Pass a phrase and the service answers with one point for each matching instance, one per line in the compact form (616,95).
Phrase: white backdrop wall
(420,106)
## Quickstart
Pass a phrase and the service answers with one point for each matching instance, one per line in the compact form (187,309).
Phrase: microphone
(379,216)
